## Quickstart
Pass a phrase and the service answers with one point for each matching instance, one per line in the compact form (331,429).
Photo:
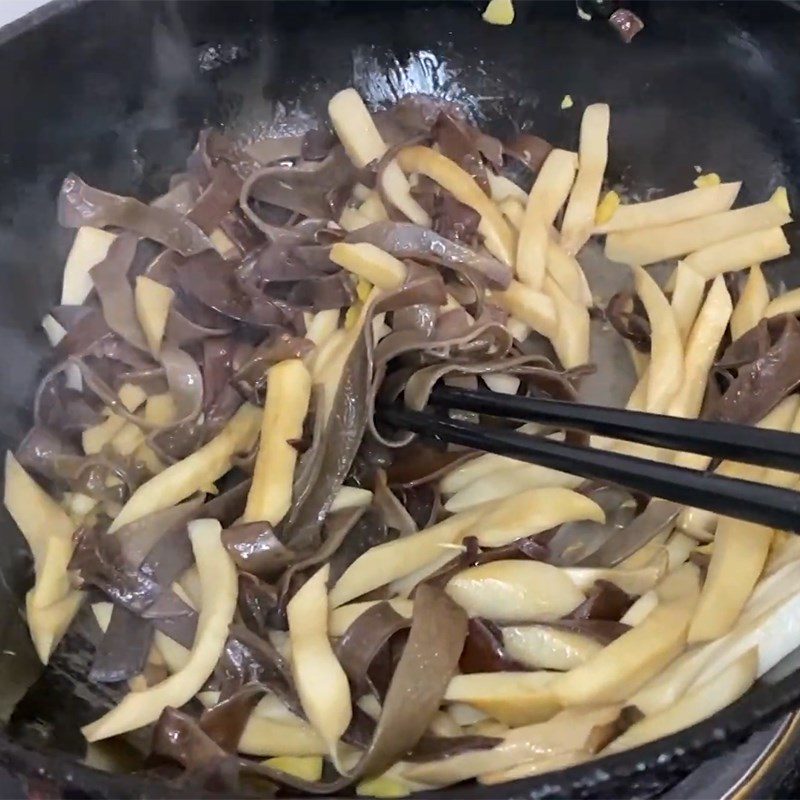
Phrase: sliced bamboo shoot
(308,768)
(740,551)
(633,581)
(205,465)
(665,371)
(534,308)
(515,698)
(285,410)
(686,298)
(493,227)
(675,208)
(89,248)
(322,325)
(320,680)
(35,513)
(503,483)
(350,497)
(530,512)
(268,737)
(371,263)
(592,159)
(641,609)
(503,189)
(340,619)
(357,132)
(387,562)
(218,576)
(738,253)
(571,337)
(701,347)
(515,591)
(696,705)
(568,274)
(752,305)
(47,624)
(787,303)
(630,660)
(548,194)
(541,647)
(153,301)
(649,245)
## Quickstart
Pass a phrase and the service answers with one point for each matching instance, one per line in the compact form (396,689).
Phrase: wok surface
(117,91)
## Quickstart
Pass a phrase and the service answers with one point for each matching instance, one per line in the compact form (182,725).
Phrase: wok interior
(710,87)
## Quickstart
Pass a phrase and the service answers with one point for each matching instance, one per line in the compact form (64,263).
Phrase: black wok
(117,91)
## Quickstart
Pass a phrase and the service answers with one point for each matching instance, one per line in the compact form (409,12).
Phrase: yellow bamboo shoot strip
(638,397)
(94,439)
(350,497)
(535,309)
(571,339)
(671,241)
(787,303)
(372,208)
(752,303)
(548,193)
(541,647)
(698,704)
(356,130)
(568,274)
(269,737)
(516,698)
(502,189)
(567,732)
(642,652)
(740,552)
(531,512)
(89,248)
(218,577)
(321,325)
(48,624)
(592,160)
(474,469)
(352,219)
(387,562)
(687,298)
(209,463)
(371,263)
(513,211)
(321,682)
(701,347)
(641,609)
(494,229)
(515,591)
(675,208)
(340,619)
(51,603)
(35,513)
(509,481)
(665,372)
(285,410)
(153,301)
(738,253)
(633,580)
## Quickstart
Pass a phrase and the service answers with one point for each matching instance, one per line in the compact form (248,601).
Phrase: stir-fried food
(267,587)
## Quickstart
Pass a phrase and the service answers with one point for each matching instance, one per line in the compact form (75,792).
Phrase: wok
(117,91)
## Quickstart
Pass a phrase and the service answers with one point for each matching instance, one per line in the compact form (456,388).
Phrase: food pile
(267,588)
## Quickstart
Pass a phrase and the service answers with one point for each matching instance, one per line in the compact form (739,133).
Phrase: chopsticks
(754,502)
(767,448)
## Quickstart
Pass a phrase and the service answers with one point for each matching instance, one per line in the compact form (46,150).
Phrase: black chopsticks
(767,448)
(755,502)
